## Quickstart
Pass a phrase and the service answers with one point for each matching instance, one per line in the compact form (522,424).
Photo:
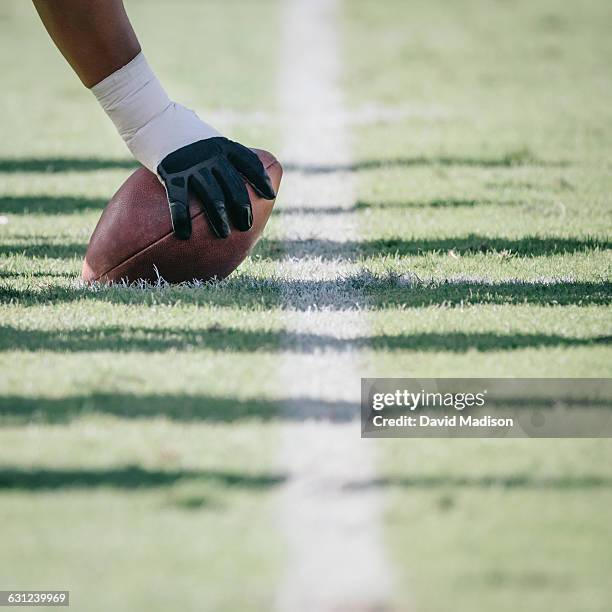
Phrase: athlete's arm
(97,39)
(95,36)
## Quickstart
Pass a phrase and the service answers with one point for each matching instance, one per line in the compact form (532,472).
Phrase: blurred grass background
(133,470)
(486,181)
(481,136)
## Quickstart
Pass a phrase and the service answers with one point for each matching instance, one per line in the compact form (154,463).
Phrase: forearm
(95,36)
(97,39)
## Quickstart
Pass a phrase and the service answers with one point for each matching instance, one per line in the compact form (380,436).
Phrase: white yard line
(337,561)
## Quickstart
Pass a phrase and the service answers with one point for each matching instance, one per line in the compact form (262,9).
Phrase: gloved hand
(212,168)
(185,152)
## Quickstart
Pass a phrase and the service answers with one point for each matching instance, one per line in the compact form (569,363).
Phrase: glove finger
(236,195)
(178,201)
(211,195)
(249,165)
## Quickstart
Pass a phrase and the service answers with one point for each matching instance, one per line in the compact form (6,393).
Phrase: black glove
(213,169)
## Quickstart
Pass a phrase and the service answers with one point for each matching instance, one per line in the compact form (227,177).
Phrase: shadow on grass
(327,209)
(347,293)
(436,203)
(330,209)
(54,165)
(177,407)
(521,157)
(128,477)
(48,205)
(513,158)
(142,339)
(19,410)
(503,481)
(527,246)
(36,274)
(63,250)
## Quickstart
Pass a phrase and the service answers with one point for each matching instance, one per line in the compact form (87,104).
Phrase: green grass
(496,524)
(138,429)
(134,468)
(116,509)
(490,200)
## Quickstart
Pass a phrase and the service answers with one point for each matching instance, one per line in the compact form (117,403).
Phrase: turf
(487,198)
(134,470)
(139,426)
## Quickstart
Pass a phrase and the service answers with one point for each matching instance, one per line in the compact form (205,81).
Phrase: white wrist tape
(151,124)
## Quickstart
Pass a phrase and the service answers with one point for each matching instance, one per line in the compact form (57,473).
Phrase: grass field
(139,429)
(495,175)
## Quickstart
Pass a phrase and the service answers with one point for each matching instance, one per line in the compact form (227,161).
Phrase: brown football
(133,239)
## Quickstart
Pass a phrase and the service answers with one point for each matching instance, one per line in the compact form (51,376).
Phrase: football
(134,241)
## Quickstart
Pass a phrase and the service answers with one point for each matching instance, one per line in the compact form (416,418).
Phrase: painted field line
(336,554)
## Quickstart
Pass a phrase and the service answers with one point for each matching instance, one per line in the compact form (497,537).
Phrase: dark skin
(95,36)
(97,39)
